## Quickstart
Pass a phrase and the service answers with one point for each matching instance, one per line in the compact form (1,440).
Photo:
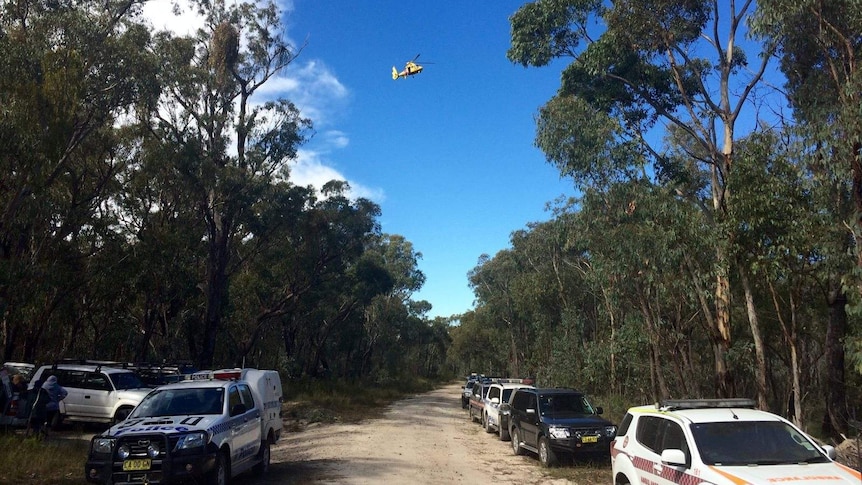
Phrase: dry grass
(52,461)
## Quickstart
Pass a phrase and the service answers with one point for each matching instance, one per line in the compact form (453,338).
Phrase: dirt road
(426,439)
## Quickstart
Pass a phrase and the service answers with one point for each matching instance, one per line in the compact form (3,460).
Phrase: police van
(208,429)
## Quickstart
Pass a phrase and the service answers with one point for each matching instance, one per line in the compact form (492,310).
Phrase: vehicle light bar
(671,404)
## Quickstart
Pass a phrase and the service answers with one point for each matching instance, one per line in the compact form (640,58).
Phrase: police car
(719,442)
(207,430)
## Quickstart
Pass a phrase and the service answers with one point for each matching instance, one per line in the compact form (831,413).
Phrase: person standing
(38,403)
(56,393)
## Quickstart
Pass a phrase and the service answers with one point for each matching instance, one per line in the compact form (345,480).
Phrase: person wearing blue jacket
(56,393)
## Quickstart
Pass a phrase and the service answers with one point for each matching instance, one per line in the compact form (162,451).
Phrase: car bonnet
(164,424)
(800,474)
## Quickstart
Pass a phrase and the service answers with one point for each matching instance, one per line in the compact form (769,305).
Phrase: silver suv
(97,394)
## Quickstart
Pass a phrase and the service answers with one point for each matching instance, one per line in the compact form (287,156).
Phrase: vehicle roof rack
(674,404)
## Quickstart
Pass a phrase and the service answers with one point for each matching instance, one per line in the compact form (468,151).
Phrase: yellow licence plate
(136,465)
(589,439)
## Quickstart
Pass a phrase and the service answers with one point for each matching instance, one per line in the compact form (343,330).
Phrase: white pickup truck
(207,429)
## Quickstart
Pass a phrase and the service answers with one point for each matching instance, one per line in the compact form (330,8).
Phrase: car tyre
(621,480)
(503,432)
(546,455)
(265,454)
(487,425)
(516,442)
(221,473)
(121,415)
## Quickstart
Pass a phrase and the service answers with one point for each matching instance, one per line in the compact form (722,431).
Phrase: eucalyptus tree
(226,147)
(782,231)
(644,249)
(69,70)
(493,282)
(639,67)
(819,48)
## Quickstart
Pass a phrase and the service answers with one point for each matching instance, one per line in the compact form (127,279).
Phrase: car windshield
(741,443)
(561,405)
(179,402)
(126,380)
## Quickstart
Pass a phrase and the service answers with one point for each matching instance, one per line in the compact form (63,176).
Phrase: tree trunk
(759,355)
(835,418)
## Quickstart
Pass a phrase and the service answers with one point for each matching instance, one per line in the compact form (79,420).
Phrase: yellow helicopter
(410,69)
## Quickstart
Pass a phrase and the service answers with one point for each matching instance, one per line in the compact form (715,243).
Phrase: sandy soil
(425,439)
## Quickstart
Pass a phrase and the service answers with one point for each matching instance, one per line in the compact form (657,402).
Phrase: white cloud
(309,168)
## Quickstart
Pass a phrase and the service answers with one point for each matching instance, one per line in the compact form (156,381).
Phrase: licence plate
(589,439)
(136,465)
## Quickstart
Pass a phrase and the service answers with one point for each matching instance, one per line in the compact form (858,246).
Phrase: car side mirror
(830,451)
(531,411)
(495,400)
(673,457)
(599,410)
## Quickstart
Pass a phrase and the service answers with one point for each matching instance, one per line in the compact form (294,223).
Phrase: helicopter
(410,69)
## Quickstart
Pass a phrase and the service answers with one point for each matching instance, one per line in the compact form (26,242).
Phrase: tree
(819,48)
(204,111)
(648,66)
(69,72)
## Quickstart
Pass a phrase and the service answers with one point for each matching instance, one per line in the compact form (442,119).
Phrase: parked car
(722,442)
(97,393)
(13,402)
(467,390)
(496,413)
(476,405)
(552,422)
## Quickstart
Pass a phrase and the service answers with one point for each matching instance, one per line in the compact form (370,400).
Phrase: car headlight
(153,450)
(192,440)
(102,446)
(558,433)
(610,431)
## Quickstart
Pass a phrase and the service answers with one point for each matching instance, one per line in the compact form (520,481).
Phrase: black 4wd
(552,422)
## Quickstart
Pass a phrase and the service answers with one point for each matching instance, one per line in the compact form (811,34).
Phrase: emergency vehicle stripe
(226,426)
(852,471)
(668,473)
(732,478)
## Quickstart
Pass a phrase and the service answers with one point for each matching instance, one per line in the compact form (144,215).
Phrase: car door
(243,421)
(656,434)
(252,435)
(530,422)
(96,396)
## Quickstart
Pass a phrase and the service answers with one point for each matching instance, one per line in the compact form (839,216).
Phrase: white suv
(97,393)
(720,442)
(495,419)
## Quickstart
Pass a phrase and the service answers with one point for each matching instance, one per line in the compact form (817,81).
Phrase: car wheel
(56,422)
(262,467)
(621,480)
(122,414)
(220,474)
(546,455)
(473,417)
(488,427)
(516,442)
(504,434)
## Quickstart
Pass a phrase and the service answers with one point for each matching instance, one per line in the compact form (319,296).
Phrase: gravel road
(425,439)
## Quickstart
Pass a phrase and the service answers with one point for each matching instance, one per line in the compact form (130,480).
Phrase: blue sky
(447,154)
